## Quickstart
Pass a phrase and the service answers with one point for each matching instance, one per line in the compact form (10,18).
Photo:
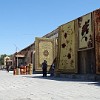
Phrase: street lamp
(16,56)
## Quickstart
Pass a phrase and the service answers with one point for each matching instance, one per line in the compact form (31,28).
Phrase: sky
(23,20)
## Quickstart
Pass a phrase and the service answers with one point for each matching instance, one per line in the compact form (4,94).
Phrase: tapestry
(97,39)
(44,50)
(85,32)
(66,48)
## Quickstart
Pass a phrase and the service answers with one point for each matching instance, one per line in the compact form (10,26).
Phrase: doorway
(86,62)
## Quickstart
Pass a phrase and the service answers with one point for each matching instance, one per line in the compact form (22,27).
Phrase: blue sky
(23,20)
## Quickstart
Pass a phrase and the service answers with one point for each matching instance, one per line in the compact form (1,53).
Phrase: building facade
(75,46)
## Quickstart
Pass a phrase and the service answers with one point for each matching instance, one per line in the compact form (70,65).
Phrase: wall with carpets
(85,32)
(97,39)
(44,51)
(66,48)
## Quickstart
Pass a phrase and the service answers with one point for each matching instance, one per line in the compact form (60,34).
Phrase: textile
(44,51)
(85,32)
(97,39)
(66,48)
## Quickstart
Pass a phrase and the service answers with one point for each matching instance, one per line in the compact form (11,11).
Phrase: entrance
(86,62)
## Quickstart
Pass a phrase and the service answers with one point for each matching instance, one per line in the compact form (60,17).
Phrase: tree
(2,59)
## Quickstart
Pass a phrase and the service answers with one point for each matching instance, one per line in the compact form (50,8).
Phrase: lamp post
(17,61)
(16,57)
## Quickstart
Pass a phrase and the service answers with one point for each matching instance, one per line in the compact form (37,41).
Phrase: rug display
(85,32)
(44,51)
(66,48)
(97,39)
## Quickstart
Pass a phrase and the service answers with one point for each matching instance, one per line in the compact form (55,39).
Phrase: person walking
(7,67)
(44,68)
(52,69)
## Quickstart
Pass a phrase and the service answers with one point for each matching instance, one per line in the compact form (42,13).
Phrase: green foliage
(2,59)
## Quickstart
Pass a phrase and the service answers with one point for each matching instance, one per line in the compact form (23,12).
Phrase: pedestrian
(7,67)
(44,68)
(52,69)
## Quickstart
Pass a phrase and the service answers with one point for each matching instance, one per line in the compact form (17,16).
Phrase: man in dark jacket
(44,68)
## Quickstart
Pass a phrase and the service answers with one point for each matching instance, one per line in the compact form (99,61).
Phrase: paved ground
(35,87)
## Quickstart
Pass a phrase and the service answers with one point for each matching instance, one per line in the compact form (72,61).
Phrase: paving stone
(36,87)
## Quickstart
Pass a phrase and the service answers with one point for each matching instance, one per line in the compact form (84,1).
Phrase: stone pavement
(36,87)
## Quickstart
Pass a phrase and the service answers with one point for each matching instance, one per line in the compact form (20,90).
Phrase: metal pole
(16,56)
(17,62)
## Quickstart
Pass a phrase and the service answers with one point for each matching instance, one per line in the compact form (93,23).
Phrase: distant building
(7,61)
(23,56)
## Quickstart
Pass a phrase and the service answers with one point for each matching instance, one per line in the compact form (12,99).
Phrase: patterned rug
(66,48)
(44,51)
(97,39)
(86,36)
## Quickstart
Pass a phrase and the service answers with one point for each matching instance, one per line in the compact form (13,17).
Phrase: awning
(19,55)
(9,61)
